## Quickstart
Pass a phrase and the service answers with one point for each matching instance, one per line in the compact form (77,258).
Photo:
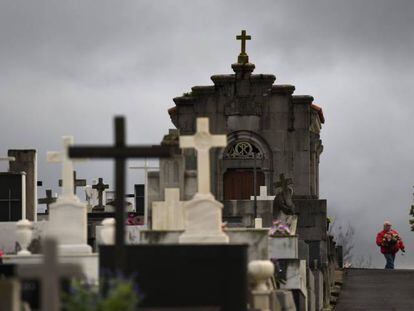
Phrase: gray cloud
(68,67)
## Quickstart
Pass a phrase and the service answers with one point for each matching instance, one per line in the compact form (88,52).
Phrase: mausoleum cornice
(286,89)
(184,100)
(203,90)
(302,99)
(265,78)
(223,79)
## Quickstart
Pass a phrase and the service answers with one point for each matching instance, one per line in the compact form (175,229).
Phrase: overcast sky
(67,67)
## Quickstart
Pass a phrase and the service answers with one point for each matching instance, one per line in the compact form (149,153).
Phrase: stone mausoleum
(270,132)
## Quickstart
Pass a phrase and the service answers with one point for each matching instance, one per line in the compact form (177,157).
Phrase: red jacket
(389,241)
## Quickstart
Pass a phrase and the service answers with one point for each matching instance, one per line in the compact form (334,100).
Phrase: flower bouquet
(279,228)
(390,239)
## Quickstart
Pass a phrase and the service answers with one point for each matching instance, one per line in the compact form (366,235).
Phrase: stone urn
(260,271)
(24,235)
(108,231)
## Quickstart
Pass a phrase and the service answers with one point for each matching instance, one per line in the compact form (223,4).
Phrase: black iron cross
(100,187)
(120,152)
(284,182)
(48,200)
(76,182)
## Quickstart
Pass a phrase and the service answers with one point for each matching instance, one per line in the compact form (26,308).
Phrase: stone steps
(377,289)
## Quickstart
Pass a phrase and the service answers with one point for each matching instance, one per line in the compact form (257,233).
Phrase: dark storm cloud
(69,66)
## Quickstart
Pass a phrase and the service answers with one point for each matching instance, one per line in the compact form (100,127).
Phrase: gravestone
(68,216)
(169,214)
(203,214)
(26,161)
(100,187)
(12,196)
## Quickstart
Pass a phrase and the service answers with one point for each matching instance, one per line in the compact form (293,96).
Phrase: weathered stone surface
(312,225)
(284,247)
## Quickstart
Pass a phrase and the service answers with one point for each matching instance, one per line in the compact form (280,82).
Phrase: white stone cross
(67,166)
(203,141)
(49,274)
(263,195)
(169,214)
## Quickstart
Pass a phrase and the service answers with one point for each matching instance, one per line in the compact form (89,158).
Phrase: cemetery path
(375,289)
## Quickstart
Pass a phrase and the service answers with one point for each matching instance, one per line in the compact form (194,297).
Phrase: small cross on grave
(263,195)
(203,141)
(168,215)
(243,57)
(49,274)
(49,199)
(283,182)
(76,182)
(100,187)
(120,152)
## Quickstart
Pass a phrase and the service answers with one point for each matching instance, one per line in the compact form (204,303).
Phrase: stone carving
(283,206)
(243,150)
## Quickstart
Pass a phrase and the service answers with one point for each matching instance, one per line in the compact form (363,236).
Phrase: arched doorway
(241,160)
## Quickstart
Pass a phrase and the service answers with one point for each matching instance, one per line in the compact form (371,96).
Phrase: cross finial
(243,57)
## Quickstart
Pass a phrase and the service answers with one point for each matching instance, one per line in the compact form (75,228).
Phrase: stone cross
(76,182)
(49,199)
(263,195)
(168,215)
(146,168)
(67,166)
(120,152)
(283,182)
(243,57)
(100,187)
(203,141)
(49,274)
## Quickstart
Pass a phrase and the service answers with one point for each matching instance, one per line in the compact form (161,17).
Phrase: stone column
(26,161)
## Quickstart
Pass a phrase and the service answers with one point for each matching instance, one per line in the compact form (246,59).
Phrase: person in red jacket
(390,242)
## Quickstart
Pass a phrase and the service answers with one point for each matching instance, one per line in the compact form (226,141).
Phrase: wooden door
(238,184)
